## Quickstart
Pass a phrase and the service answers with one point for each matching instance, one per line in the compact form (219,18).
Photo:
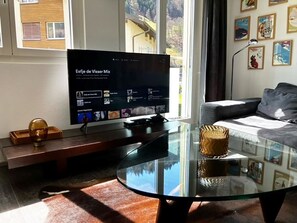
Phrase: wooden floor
(21,186)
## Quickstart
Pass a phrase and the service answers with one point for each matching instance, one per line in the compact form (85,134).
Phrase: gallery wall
(250,82)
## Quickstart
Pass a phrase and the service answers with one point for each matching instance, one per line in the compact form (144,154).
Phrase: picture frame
(255,170)
(256,57)
(266,26)
(274,152)
(249,147)
(277,2)
(281,180)
(292,19)
(246,5)
(282,53)
(242,28)
(292,159)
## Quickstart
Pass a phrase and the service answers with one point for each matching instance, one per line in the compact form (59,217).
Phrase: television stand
(84,127)
(74,143)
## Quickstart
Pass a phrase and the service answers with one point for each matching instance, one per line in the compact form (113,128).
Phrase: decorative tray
(22,136)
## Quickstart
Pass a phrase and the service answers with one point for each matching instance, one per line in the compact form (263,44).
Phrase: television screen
(107,85)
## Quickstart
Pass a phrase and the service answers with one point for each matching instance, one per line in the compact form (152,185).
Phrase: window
(28,1)
(48,30)
(140,26)
(31,31)
(55,30)
(174,42)
(142,36)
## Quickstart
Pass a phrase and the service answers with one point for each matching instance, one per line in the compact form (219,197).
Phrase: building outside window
(50,16)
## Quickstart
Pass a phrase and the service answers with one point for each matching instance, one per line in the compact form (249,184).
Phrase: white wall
(33,90)
(251,83)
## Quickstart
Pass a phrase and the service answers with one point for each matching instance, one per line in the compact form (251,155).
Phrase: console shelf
(75,143)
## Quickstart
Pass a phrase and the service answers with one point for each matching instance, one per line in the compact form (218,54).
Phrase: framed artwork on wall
(242,28)
(292,161)
(281,180)
(292,19)
(282,53)
(256,170)
(266,26)
(247,5)
(276,2)
(274,152)
(256,57)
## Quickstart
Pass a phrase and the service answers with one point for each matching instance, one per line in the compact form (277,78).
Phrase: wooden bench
(75,143)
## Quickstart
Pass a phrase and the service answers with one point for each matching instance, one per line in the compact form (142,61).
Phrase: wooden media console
(75,143)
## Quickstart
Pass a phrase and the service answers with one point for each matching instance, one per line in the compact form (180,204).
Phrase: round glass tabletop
(172,167)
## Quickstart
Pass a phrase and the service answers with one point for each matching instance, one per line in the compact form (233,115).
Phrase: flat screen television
(108,85)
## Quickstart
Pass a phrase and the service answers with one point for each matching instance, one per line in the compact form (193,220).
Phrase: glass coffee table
(172,169)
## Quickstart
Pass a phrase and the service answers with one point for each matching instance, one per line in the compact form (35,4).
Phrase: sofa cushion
(217,110)
(278,105)
(286,88)
(257,128)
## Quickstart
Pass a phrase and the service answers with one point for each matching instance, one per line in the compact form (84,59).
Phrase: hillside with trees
(147,8)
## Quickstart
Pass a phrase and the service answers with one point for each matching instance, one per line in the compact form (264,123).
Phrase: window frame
(190,66)
(10,40)
(187,84)
(1,44)
(5,29)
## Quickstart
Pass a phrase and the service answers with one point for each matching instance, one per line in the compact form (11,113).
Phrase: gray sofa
(273,117)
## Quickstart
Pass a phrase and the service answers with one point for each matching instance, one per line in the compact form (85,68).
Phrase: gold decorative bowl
(38,131)
(214,140)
